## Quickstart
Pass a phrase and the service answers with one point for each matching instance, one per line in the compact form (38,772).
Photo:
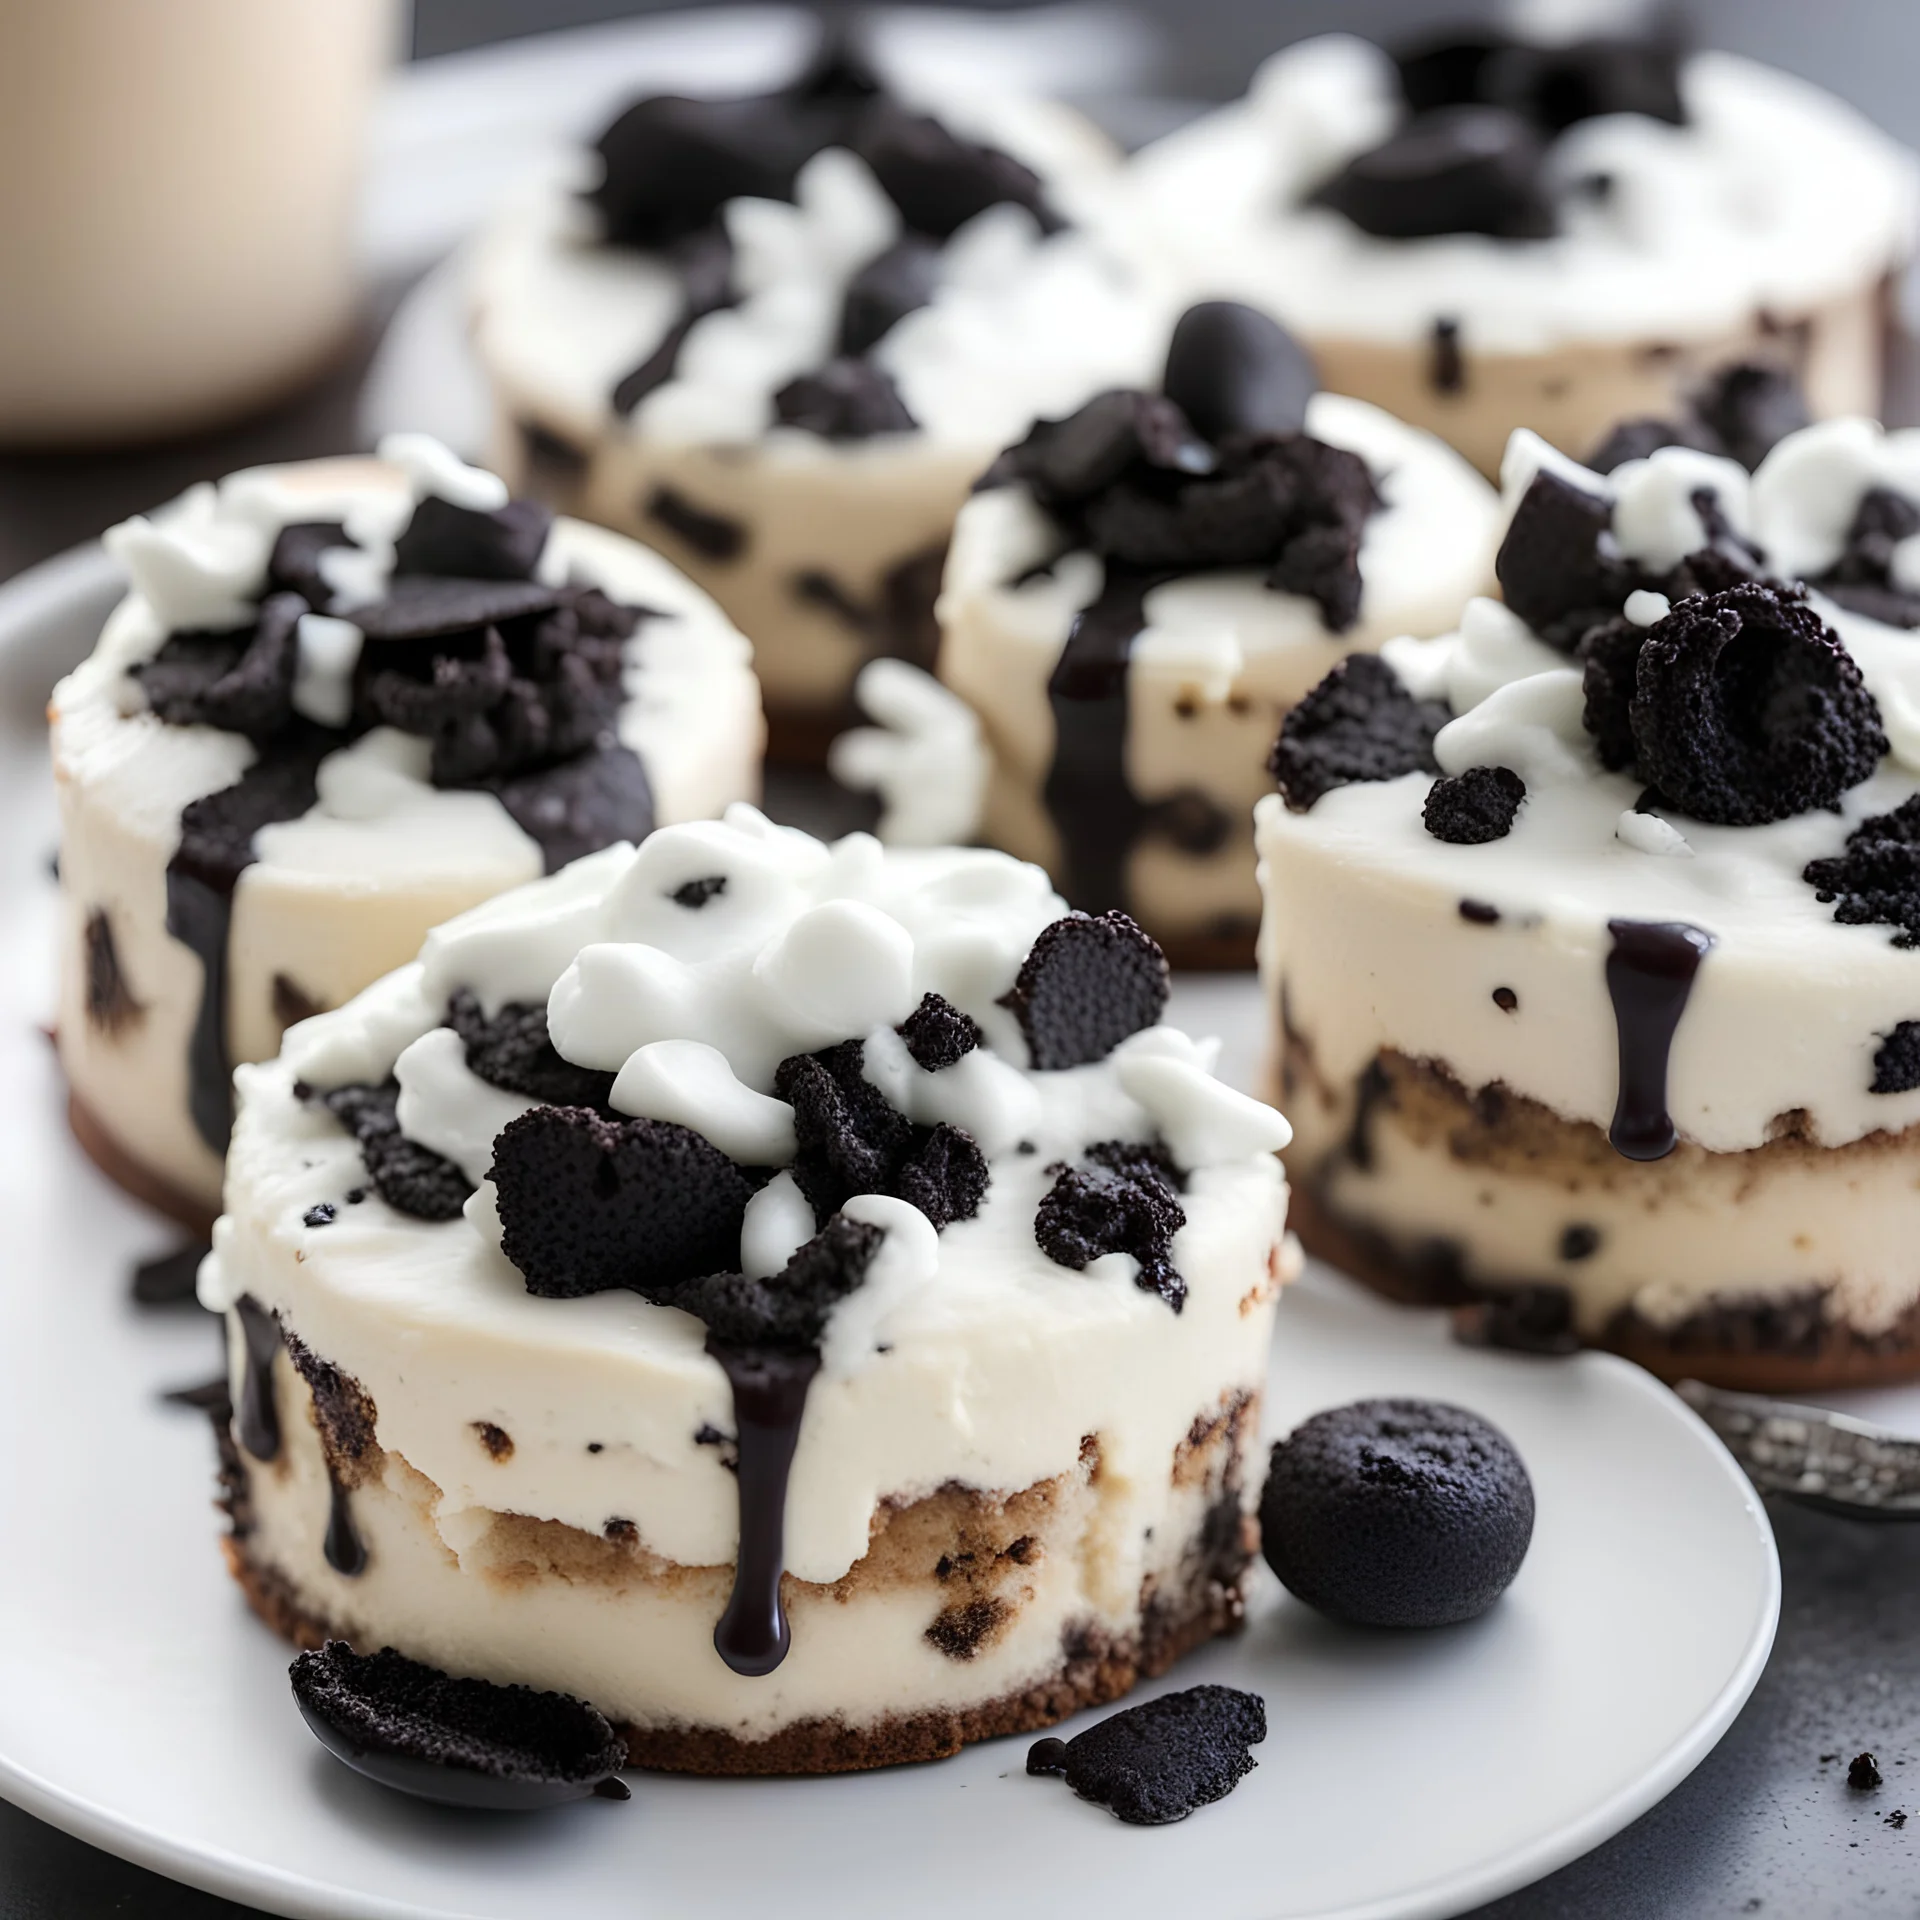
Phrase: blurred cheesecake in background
(1139,591)
(781,336)
(1481,231)
(801,1300)
(343,700)
(1590,930)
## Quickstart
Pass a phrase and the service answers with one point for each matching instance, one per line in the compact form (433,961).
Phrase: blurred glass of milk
(177,188)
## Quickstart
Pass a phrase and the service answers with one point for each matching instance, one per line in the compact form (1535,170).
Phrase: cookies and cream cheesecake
(781,336)
(1483,231)
(1138,592)
(1589,929)
(342,701)
(798,1299)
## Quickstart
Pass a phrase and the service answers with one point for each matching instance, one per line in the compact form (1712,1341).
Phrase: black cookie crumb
(945,1176)
(1536,1319)
(1876,881)
(1862,578)
(581,805)
(1579,1241)
(938,1034)
(512,1051)
(170,1279)
(294,564)
(1085,985)
(890,286)
(465,543)
(847,399)
(1129,1207)
(426,607)
(1232,369)
(1550,566)
(1749,408)
(938,180)
(409,1177)
(1155,1763)
(241,682)
(461,1742)
(694,894)
(1455,169)
(714,536)
(1553,83)
(1896,1064)
(1396,1513)
(1359,723)
(1639,438)
(1863,1772)
(587,1204)
(1609,656)
(789,1310)
(1474,807)
(320,1214)
(1747,708)
(109,1000)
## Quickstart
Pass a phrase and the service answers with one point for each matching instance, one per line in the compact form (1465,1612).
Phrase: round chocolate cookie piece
(1396,1513)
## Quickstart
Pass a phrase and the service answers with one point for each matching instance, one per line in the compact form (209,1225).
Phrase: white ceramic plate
(145,1710)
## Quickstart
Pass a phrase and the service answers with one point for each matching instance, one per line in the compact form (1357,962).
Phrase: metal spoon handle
(1823,1459)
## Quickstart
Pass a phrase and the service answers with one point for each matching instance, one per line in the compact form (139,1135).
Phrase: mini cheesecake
(1590,929)
(343,701)
(781,336)
(1139,592)
(798,1299)
(1481,233)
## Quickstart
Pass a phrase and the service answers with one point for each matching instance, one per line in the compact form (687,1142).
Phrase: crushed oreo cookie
(1861,580)
(1863,1773)
(511,1050)
(1396,1513)
(938,1034)
(847,399)
(463,1743)
(938,180)
(1474,807)
(853,1140)
(580,805)
(1454,169)
(410,1178)
(1155,1763)
(467,543)
(1749,408)
(1747,708)
(1360,723)
(1086,984)
(1534,1319)
(294,564)
(1122,1202)
(1553,83)
(240,682)
(588,1204)
(786,1312)
(1896,1062)
(1876,881)
(1551,566)
(899,281)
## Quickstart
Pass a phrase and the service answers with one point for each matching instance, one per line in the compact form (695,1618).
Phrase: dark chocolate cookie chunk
(217,830)
(938,1034)
(294,564)
(587,1204)
(1157,1762)
(1068,462)
(938,180)
(511,1050)
(1396,1513)
(1558,85)
(504,544)
(1896,1062)
(1609,656)
(847,399)
(1122,1203)
(241,682)
(1455,169)
(1876,881)
(424,606)
(787,1311)
(1086,984)
(581,805)
(1641,438)
(1747,708)
(463,1743)
(890,286)
(410,1178)
(945,1175)
(1749,408)
(1234,370)
(1359,723)
(1862,578)
(1550,566)
(1474,807)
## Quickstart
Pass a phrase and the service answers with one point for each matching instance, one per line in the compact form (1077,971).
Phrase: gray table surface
(1766,1825)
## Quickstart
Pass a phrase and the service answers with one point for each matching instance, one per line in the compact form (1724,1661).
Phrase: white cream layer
(1775,198)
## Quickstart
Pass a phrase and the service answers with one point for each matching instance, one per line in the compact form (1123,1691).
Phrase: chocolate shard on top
(847,399)
(890,286)
(1747,708)
(1232,369)
(428,606)
(587,1204)
(1551,567)
(938,180)
(469,1743)
(241,682)
(1359,723)
(464,543)
(1085,985)
(1455,169)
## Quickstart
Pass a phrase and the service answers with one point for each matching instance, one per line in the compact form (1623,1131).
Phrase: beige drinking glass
(177,182)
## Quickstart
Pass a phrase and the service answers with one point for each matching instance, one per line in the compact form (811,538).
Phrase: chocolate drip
(257,1416)
(769,1396)
(1087,791)
(1649,976)
(346,1552)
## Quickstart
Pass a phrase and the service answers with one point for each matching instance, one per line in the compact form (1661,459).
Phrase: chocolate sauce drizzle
(257,1418)
(1649,977)
(769,1397)
(346,1552)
